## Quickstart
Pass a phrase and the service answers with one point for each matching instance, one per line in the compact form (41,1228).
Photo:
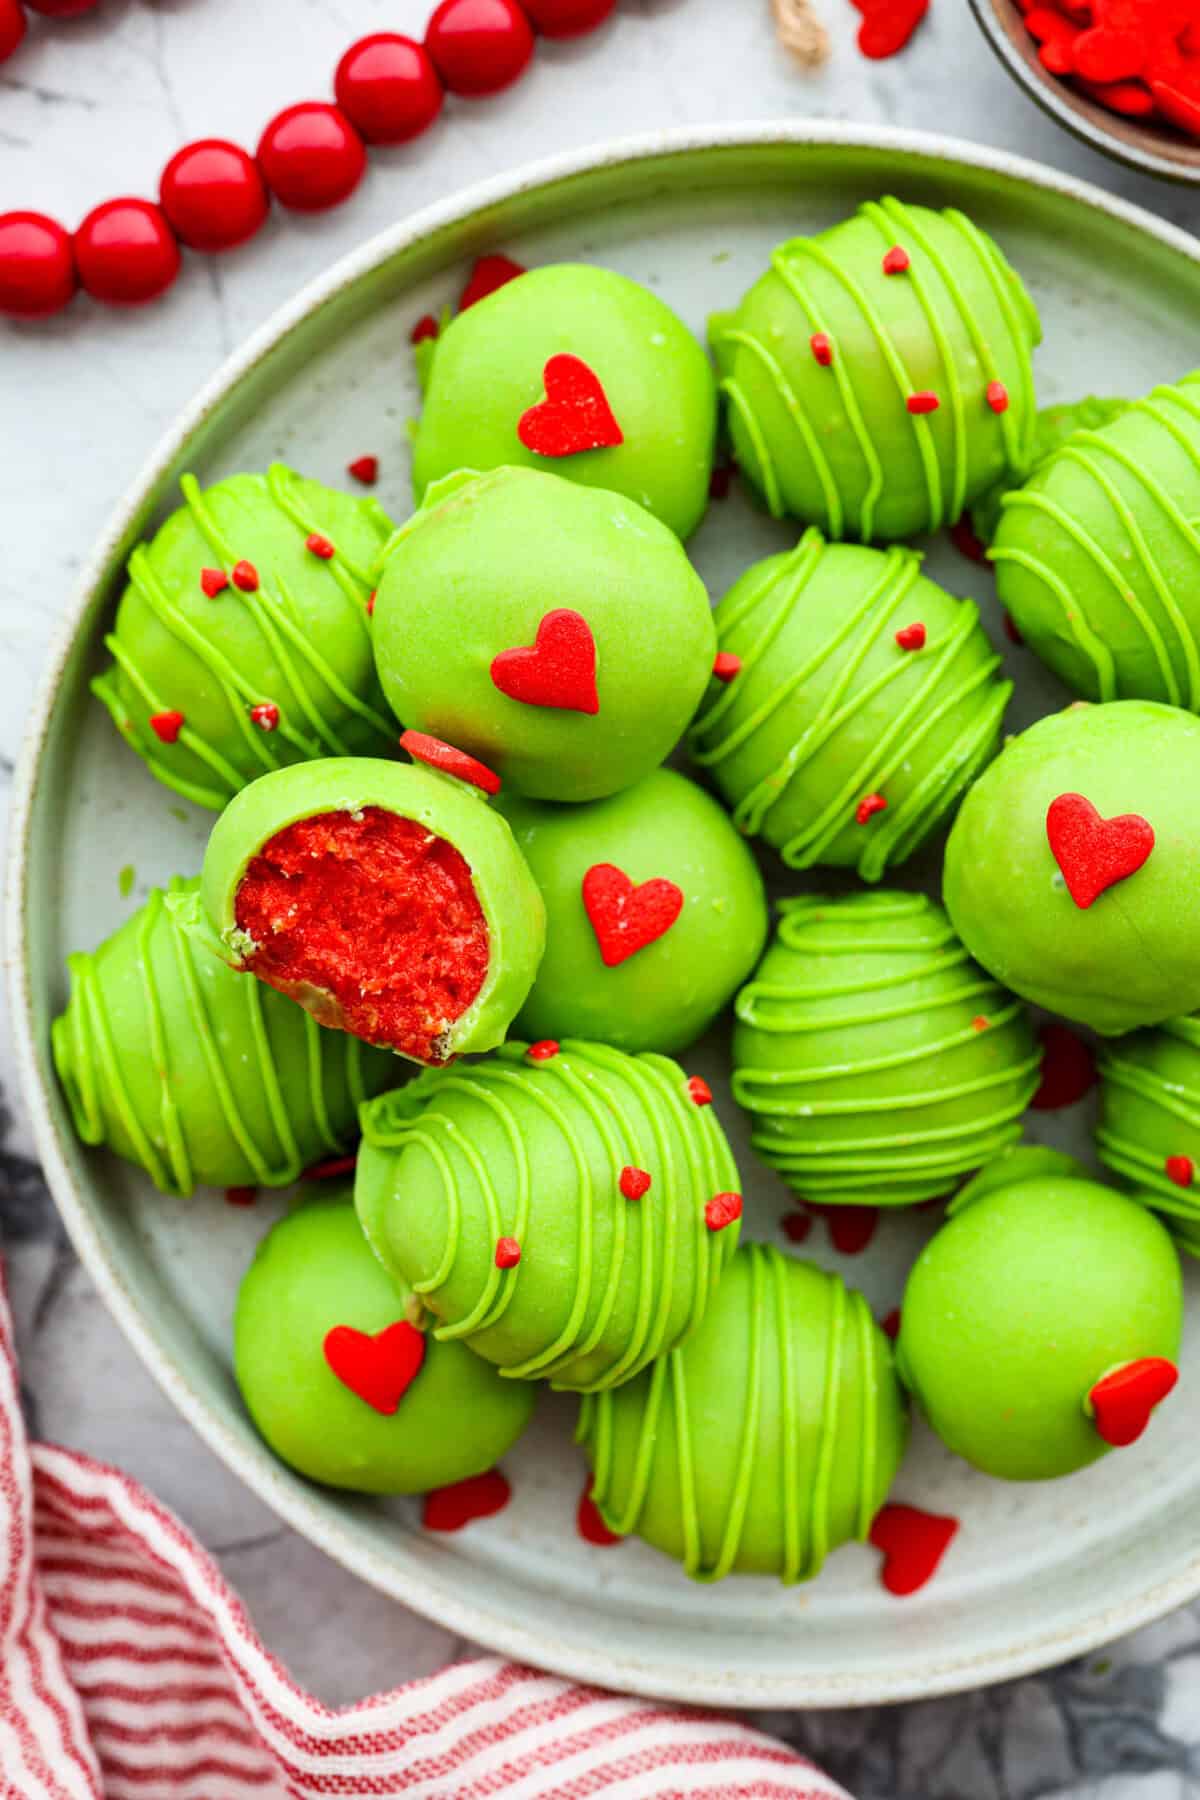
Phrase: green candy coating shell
(828,708)
(476,571)
(769,1438)
(486,370)
(301,641)
(834,444)
(199,1074)
(1019,1305)
(1133,957)
(1098,556)
(1149,1112)
(859,1053)
(666,994)
(313,1271)
(452,809)
(533,1150)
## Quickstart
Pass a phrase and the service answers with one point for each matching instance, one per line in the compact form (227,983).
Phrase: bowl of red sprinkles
(1122,75)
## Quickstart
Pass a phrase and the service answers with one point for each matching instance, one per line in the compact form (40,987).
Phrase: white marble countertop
(93,108)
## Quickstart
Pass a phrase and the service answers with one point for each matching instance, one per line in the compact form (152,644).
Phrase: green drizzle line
(907,1160)
(304,725)
(668,1426)
(686,1154)
(1124,1070)
(1130,563)
(150,1118)
(734,716)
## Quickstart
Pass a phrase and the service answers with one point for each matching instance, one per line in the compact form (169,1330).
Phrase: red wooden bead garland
(568,18)
(479,46)
(37,266)
(12,27)
(213,195)
(126,252)
(388,88)
(311,156)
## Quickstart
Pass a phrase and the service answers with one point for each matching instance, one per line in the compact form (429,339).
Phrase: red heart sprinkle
(378,1369)
(213,582)
(912,637)
(166,725)
(1048,26)
(544,1050)
(450,1508)
(821,346)
(722,1210)
(1182,109)
(508,1253)
(726,665)
(1102,54)
(913,1544)
(720,482)
(997,396)
(963,537)
(924,402)
(265,715)
(489,273)
(1092,852)
(796,1226)
(1181,1170)
(319,546)
(634,1183)
(371,601)
(558,670)
(890,1323)
(896,261)
(851,1228)
(1129,98)
(245,576)
(590,1525)
(1057,57)
(699,1091)
(1123,1401)
(868,806)
(425,327)
(431,750)
(331,1168)
(1068,1068)
(887,26)
(626,918)
(366,468)
(241,1196)
(574,416)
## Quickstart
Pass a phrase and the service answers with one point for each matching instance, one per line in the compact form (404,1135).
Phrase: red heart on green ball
(378,1369)
(626,918)
(574,416)
(558,669)
(1123,1401)
(1094,853)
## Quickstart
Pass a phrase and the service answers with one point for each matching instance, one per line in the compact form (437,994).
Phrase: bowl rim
(920,1677)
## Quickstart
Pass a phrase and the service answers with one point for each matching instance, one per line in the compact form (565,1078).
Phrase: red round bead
(567,18)
(387,86)
(126,252)
(213,195)
(37,269)
(311,156)
(479,46)
(61,9)
(12,27)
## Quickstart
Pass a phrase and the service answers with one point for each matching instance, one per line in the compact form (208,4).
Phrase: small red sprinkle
(450,1508)
(1181,1170)
(1011,632)
(1068,1068)
(868,806)
(245,576)
(590,1525)
(213,582)
(543,1050)
(241,1196)
(913,1544)
(489,273)
(371,602)
(980,1022)
(896,261)
(796,1226)
(634,1183)
(265,715)
(425,327)
(890,1323)
(821,346)
(921,403)
(726,665)
(331,1168)
(722,1210)
(319,546)
(851,1228)
(508,1253)
(166,725)
(963,537)
(997,396)
(912,637)
(450,761)
(365,468)
(699,1091)
(720,482)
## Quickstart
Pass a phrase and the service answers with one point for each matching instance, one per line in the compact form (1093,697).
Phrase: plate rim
(921,1677)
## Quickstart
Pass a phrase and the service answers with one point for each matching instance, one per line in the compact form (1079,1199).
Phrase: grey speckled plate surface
(1036,1573)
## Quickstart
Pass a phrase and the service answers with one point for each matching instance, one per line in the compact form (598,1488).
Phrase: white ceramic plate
(1036,1573)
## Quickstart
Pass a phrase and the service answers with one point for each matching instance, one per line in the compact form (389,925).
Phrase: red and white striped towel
(129,1671)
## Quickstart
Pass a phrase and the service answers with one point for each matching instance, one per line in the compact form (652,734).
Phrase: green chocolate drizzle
(1128,1076)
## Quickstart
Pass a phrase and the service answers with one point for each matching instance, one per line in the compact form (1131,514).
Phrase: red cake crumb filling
(372,923)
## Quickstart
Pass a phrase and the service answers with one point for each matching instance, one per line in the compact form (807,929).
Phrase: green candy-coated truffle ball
(200,1075)
(402,912)
(878,1063)
(676,969)
(877,398)
(1020,1304)
(488,370)
(768,1439)
(837,741)
(1131,957)
(1098,556)
(313,1273)
(610,626)
(275,665)
(1149,1128)
(512,1196)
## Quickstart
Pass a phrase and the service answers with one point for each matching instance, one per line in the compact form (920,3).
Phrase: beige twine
(801,32)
